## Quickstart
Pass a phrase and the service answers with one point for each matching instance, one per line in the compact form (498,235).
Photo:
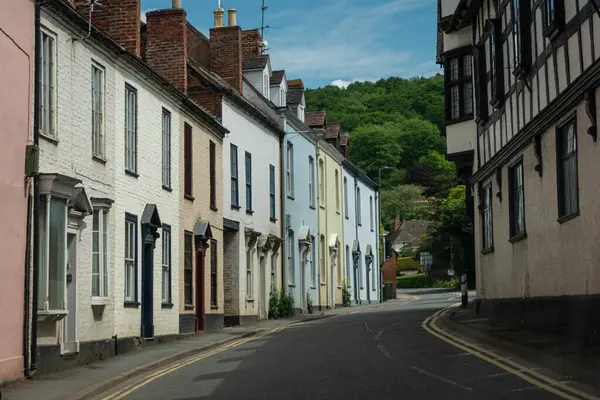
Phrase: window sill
(339,287)
(488,251)
(249,212)
(189,197)
(166,306)
(131,173)
(235,207)
(566,218)
(321,206)
(214,208)
(312,207)
(347,217)
(313,287)
(464,118)
(338,213)
(55,315)
(250,299)
(359,224)
(51,139)
(518,238)
(289,196)
(552,31)
(100,301)
(131,304)
(323,284)
(212,307)
(273,220)
(188,307)
(99,159)
(291,285)
(168,189)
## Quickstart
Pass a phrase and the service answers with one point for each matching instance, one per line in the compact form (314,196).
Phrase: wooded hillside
(399,123)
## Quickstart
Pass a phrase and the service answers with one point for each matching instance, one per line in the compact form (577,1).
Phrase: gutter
(32,367)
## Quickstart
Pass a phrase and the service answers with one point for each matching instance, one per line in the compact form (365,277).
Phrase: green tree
(375,146)
(436,174)
(401,201)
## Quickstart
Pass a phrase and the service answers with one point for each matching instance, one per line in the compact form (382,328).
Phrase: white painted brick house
(110,221)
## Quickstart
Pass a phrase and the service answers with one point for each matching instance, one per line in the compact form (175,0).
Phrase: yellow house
(331,229)
(201,206)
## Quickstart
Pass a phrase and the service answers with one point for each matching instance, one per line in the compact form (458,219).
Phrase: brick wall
(226,54)
(251,43)
(389,271)
(119,19)
(209,99)
(198,47)
(167,45)
(231,276)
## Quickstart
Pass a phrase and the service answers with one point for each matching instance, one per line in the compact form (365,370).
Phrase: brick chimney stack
(226,51)
(397,223)
(167,44)
(251,43)
(119,19)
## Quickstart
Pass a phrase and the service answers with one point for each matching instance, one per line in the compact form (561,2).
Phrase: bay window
(459,84)
(52,266)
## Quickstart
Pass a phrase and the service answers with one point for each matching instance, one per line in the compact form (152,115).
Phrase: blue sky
(334,41)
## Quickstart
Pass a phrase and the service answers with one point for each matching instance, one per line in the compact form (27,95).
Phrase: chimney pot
(176,3)
(219,17)
(232,17)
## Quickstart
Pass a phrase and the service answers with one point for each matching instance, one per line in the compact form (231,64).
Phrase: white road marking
(441,378)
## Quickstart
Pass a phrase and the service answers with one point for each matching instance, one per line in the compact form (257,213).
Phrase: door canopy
(369,254)
(203,232)
(150,223)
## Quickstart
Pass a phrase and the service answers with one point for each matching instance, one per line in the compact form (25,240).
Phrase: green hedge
(407,264)
(412,281)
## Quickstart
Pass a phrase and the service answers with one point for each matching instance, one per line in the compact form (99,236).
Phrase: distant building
(406,234)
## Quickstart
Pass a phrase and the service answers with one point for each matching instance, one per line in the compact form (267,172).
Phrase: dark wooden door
(200,310)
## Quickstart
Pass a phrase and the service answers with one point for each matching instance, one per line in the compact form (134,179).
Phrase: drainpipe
(282,198)
(36,199)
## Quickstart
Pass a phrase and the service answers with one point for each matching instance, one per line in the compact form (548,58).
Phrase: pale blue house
(300,225)
(361,234)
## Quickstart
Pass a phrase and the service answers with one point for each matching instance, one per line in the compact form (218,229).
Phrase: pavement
(86,382)
(398,349)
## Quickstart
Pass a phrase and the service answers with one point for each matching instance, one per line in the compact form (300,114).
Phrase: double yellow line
(535,378)
(174,367)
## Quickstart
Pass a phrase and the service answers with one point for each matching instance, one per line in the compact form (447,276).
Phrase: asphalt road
(377,354)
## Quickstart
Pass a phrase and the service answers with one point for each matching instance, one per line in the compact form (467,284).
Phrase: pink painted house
(16,102)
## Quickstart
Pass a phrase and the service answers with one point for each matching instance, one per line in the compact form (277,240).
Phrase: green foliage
(413,281)
(451,284)
(346,299)
(286,305)
(407,264)
(309,303)
(405,201)
(281,304)
(434,173)
(274,303)
(409,252)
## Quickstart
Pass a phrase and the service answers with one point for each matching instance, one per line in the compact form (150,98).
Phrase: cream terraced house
(522,102)
(112,136)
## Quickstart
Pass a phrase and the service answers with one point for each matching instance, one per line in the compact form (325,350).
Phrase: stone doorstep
(585,370)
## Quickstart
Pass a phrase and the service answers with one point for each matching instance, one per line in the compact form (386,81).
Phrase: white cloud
(143,14)
(344,84)
(343,40)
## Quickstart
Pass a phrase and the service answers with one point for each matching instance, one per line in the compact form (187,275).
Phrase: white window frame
(98,88)
(100,234)
(313,265)
(130,259)
(131,128)
(282,97)
(48,77)
(290,170)
(250,274)
(166,148)
(322,259)
(266,85)
(371,219)
(44,300)
(290,259)
(321,182)
(311,181)
(358,207)
(166,262)
(301,112)
(337,191)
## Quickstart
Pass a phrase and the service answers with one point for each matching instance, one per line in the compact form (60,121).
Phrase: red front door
(200,312)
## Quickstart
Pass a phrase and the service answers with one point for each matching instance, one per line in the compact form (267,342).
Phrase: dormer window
(282,99)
